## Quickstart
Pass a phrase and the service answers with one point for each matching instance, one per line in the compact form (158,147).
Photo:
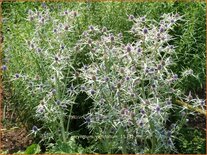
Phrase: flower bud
(39,50)
(17,76)
(3,67)
(57,102)
(89,41)
(75,14)
(177,15)
(106,79)
(112,38)
(119,85)
(85,67)
(56,58)
(159,67)
(127,78)
(161,29)
(139,50)
(169,102)
(162,62)
(145,31)
(104,29)
(66,12)
(142,111)
(120,35)
(93,92)
(94,78)
(158,109)
(128,48)
(132,95)
(91,28)
(87,119)
(55,30)
(66,28)
(31,18)
(143,19)
(140,123)
(203,102)
(34,128)
(122,70)
(147,102)
(131,17)
(76,74)
(83,88)
(175,77)
(54,91)
(132,114)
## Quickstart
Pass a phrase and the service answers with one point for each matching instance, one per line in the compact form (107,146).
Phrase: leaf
(33,149)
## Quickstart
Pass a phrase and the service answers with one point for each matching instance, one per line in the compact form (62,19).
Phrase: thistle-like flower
(17,76)
(34,128)
(4,67)
(145,30)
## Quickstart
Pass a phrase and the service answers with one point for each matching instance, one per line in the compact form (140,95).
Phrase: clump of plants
(131,84)
(133,87)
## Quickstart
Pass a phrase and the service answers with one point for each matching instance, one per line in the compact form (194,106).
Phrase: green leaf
(33,149)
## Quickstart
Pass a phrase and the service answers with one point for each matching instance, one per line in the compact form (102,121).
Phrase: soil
(198,122)
(14,140)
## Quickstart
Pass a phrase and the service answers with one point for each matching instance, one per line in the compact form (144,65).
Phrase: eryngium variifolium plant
(131,84)
(49,48)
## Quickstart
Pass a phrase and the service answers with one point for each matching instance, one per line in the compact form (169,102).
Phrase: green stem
(153,140)
(124,151)
(71,109)
(68,124)
(62,129)
(152,128)
(57,84)
(143,91)
(40,67)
